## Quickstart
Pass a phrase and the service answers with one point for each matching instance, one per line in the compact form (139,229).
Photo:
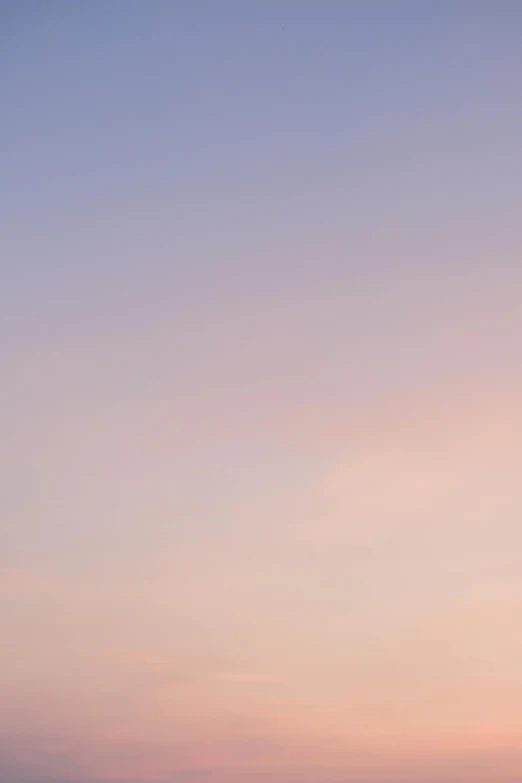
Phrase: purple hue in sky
(262,435)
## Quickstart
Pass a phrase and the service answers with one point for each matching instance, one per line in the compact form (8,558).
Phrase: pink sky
(262,439)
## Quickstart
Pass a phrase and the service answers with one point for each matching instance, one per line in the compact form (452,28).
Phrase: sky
(261,444)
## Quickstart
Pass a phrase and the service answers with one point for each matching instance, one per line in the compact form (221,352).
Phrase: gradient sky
(261,389)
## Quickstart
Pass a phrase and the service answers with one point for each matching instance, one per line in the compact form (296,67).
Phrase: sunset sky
(261,344)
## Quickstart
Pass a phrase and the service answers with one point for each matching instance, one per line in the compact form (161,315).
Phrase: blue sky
(261,347)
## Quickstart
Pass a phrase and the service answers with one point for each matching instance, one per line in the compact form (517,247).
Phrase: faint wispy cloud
(251,678)
(430,467)
(26,582)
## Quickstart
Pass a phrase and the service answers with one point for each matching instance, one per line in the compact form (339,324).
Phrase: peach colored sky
(262,438)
